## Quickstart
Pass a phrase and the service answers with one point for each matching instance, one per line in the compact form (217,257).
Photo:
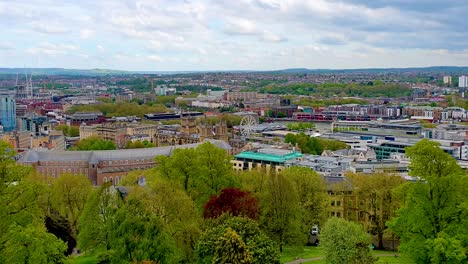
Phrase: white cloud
(240,26)
(225,34)
(47,48)
(49,28)
(155,58)
(87,33)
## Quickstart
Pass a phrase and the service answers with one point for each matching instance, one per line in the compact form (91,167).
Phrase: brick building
(102,165)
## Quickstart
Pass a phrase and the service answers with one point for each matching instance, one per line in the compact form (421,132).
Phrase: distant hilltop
(103,72)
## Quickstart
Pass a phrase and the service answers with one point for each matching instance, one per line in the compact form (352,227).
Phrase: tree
(281,214)
(232,201)
(32,244)
(95,143)
(215,167)
(261,247)
(138,235)
(433,221)
(312,195)
(69,131)
(138,144)
(96,219)
(313,145)
(177,211)
(231,249)
(380,205)
(202,172)
(345,243)
(23,236)
(69,194)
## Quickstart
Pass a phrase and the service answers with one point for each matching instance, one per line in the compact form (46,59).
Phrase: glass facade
(8,113)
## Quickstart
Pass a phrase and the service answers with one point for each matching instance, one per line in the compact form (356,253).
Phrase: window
(338,203)
(332,203)
(338,214)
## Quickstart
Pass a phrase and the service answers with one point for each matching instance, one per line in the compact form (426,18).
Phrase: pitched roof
(120,154)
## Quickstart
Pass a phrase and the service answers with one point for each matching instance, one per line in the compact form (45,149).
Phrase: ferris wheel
(246,125)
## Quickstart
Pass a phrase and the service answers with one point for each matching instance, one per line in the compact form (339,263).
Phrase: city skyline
(232,35)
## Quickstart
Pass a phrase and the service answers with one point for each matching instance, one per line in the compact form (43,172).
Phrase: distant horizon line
(297,69)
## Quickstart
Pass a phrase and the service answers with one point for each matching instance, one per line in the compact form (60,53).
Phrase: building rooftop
(98,155)
(272,157)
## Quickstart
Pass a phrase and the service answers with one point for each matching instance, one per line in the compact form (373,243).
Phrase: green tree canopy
(345,242)
(95,143)
(375,191)
(23,236)
(433,221)
(312,196)
(281,213)
(261,247)
(313,145)
(231,249)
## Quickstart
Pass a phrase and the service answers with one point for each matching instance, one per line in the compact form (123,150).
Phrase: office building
(463,81)
(447,80)
(8,111)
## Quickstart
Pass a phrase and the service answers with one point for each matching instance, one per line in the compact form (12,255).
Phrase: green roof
(268,157)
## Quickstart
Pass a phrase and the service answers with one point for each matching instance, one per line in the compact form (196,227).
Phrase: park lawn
(291,253)
(82,259)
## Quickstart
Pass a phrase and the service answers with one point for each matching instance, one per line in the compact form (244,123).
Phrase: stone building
(101,165)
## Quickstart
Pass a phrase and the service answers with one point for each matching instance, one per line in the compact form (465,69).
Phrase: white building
(448,80)
(463,81)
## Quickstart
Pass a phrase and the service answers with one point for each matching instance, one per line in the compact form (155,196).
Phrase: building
(103,165)
(87,117)
(463,81)
(269,158)
(8,111)
(119,133)
(325,166)
(242,96)
(163,90)
(447,80)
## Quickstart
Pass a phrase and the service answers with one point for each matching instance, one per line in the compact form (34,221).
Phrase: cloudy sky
(232,34)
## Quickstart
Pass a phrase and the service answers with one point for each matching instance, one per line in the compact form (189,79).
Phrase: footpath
(298,261)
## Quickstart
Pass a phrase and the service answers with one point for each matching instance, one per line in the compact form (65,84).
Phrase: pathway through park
(297,261)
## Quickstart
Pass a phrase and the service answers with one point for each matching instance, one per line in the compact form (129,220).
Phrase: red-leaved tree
(232,201)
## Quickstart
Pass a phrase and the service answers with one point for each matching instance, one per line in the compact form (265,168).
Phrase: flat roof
(268,157)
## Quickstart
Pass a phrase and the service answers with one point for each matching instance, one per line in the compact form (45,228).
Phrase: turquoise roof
(268,157)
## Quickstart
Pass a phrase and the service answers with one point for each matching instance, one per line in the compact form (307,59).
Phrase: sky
(173,35)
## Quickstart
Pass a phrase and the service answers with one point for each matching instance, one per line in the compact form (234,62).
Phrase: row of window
(115,180)
(59,171)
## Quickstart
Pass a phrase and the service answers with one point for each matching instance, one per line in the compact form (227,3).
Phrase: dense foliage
(94,143)
(69,131)
(232,201)
(139,144)
(433,221)
(313,145)
(23,235)
(120,109)
(346,242)
(340,89)
(261,248)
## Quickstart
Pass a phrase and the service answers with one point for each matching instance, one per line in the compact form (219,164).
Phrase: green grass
(293,253)
(402,259)
(82,259)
